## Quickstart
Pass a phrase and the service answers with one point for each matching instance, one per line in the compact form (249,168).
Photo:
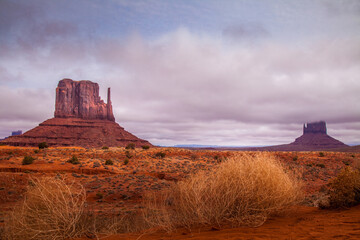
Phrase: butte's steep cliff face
(80,99)
(81,119)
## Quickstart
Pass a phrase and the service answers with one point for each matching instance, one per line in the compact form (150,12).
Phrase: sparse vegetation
(241,191)
(321,154)
(344,190)
(27,160)
(109,162)
(43,145)
(145,147)
(36,151)
(347,163)
(130,146)
(99,195)
(73,160)
(105,148)
(126,161)
(160,154)
(320,165)
(295,158)
(128,154)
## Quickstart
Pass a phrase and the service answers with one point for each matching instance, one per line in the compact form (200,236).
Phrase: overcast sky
(219,72)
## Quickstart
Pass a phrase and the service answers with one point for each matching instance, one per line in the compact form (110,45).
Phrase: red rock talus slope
(77,132)
(81,119)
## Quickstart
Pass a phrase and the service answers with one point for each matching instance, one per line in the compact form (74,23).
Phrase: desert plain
(116,179)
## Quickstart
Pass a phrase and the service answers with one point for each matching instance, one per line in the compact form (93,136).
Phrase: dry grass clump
(344,190)
(244,190)
(51,209)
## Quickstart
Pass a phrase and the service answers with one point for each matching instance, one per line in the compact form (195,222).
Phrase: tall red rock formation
(80,99)
(81,119)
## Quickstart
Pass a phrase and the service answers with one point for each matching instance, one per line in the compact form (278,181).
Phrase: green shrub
(145,147)
(160,154)
(320,165)
(344,190)
(295,158)
(126,161)
(347,163)
(73,160)
(128,154)
(321,154)
(43,145)
(105,147)
(130,146)
(27,160)
(109,162)
(36,151)
(99,195)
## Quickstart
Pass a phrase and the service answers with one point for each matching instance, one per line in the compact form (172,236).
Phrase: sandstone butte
(81,119)
(314,138)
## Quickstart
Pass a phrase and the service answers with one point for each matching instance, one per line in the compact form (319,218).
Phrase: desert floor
(119,188)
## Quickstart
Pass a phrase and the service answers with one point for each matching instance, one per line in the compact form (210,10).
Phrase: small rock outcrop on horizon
(81,118)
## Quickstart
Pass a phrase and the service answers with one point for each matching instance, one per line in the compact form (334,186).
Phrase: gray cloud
(182,86)
(245,32)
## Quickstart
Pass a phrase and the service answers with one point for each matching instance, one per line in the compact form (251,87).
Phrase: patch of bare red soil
(301,223)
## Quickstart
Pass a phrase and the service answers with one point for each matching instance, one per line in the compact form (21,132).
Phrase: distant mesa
(314,138)
(81,119)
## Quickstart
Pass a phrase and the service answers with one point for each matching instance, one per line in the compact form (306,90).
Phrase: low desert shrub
(73,160)
(109,162)
(295,158)
(105,147)
(320,165)
(160,154)
(241,191)
(126,161)
(145,147)
(27,160)
(130,146)
(128,154)
(43,145)
(51,209)
(36,151)
(321,154)
(344,190)
(99,195)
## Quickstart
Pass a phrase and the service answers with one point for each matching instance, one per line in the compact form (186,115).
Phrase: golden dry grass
(244,190)
(51,209)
